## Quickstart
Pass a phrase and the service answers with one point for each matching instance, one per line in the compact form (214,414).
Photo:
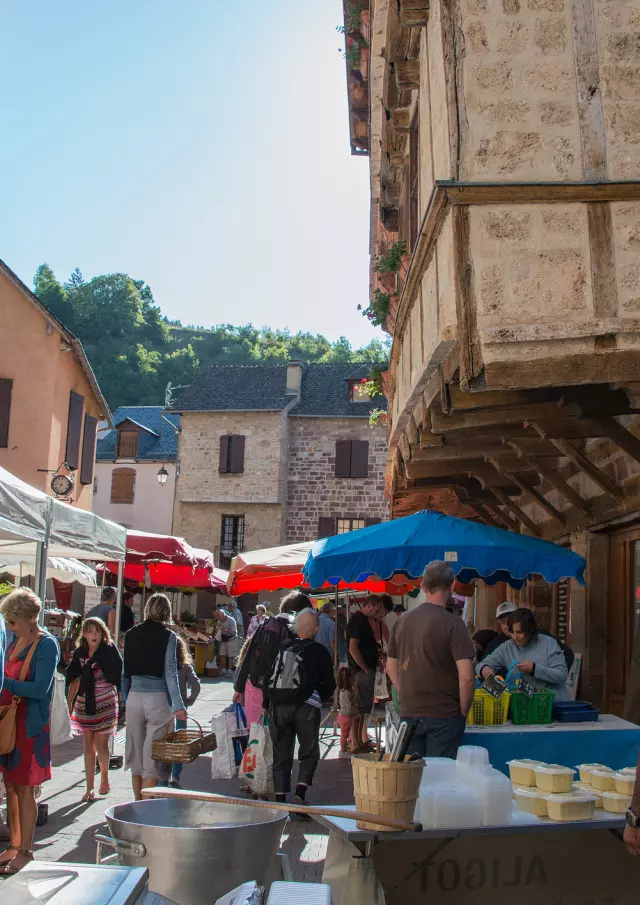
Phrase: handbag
(9,712)
(226,638)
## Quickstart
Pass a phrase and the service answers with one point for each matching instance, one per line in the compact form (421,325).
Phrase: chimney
(294,378)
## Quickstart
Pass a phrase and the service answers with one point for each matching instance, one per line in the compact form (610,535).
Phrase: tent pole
(41,574)
(119,600)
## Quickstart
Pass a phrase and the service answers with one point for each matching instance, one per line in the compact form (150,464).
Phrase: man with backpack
(258,656)
(300,680)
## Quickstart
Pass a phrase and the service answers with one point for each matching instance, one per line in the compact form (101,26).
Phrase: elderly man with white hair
(300,680)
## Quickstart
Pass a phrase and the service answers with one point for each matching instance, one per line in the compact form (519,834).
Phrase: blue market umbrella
(405,546)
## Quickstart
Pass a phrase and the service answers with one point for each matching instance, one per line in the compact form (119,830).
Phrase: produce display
(573,806)
(554,778)
(522,771)
(615,802)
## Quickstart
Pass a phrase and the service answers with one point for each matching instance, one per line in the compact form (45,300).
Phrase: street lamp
(163,475)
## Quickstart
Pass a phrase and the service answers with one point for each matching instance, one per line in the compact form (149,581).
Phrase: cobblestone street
(69,833)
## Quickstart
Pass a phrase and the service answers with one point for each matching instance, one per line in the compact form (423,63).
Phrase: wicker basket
(386,788)
(182,746)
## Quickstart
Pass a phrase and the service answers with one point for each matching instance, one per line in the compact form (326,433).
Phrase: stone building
(504,149)
(275,454)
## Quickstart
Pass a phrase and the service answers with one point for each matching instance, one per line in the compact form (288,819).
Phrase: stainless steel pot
(196,852)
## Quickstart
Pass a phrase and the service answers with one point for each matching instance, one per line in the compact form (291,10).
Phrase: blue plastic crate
(575,712)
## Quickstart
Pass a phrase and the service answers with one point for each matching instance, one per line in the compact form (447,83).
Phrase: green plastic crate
(526,711)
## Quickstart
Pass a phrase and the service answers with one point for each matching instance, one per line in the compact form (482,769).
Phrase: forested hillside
(135,351)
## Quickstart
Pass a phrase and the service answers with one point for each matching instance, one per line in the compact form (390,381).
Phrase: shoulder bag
(9,712)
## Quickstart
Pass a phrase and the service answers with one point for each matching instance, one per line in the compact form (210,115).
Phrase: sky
(202,146)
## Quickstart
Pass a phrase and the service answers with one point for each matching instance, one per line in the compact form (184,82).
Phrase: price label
(526,688)
(495,686)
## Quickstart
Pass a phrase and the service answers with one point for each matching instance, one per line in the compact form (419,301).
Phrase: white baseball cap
(504,609)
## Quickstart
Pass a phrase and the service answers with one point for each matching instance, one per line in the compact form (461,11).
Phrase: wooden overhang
(499,456)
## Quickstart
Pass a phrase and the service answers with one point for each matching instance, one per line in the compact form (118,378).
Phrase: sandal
(88,796)
(9,868)
(9,848)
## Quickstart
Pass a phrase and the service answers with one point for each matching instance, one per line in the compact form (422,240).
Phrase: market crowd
(289,666)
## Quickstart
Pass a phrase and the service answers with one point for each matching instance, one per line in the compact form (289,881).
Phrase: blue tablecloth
(611,741)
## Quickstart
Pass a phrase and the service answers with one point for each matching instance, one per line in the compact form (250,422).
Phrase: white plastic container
(573,806)
(533,801)
(522,771)
(615,802)
(603,780)
(439,771)
(625,783)
(585,789)
(450,808)
(629,771)
(585,771)
(473,756)
(554,778)
(495,792)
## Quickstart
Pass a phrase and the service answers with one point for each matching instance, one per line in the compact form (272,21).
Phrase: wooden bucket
(385,788)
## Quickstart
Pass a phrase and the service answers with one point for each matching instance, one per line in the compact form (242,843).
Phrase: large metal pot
(196,852)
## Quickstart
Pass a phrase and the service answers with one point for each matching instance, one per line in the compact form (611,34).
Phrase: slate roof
(157,441)
(237,388)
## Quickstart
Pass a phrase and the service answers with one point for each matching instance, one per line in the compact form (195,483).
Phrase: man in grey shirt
(101,610)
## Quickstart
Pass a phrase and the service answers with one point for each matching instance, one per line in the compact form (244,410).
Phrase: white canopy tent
(59,567)
(34,526)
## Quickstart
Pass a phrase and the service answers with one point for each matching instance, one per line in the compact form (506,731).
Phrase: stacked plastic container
(466,792)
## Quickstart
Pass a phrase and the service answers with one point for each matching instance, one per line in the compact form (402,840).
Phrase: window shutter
(326,526)
(343,459)
(122,485)
(371,521)
(88,449)
(74,429)
(6,386)
(359,459)
(224,453)
(237,454)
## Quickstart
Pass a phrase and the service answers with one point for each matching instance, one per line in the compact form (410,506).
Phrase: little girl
(189,689)
(348,700)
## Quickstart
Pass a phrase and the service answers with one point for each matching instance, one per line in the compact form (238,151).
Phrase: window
(123,483)
(6,386)
(88,449)
(357,392)
(127,444)
(349,524)
(74,430)
(414,180)
(231,538)
(231,454)
(352,459)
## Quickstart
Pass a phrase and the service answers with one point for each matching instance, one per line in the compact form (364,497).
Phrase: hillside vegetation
(135,351)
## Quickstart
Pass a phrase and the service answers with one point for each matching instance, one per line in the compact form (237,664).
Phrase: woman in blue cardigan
(29,764)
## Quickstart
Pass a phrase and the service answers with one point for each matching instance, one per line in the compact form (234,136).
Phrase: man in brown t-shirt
(430,662)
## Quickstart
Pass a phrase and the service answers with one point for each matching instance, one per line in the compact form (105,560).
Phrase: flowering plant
(378,310)
(377,416)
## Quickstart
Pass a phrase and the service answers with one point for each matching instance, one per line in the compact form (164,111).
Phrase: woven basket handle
(168,728)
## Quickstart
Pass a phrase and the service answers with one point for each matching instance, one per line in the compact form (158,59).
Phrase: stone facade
(313,491)
(200,523)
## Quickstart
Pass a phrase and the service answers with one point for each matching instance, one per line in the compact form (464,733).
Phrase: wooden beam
(519,514)
(484,513)
(619,434)
(597,476)
(571,428)
(465,400)
(554,478)
(539,192)
(534,494)
(505,520)
(496,433)
(441,423)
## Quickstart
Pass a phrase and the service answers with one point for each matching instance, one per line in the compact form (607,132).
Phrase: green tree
(54,296)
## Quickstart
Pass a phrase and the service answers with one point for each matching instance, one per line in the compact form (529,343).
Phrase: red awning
(144,548)
(165,575)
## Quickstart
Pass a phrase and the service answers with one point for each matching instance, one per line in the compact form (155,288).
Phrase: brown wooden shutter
(237,454)
(371,521)
(326,526)
(224,453)
(88,449)
(123,482)
(343,459)
(74,430)
(359,459)
(6,386)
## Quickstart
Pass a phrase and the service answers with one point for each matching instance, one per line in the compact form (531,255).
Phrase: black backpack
(265,645)
(289,682)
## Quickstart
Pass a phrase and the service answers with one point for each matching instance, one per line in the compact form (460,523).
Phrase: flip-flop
(9,848)
(89,796)
(8,869)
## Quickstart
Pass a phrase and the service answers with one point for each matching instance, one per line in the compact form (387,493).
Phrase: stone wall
(313,489)
(200,523)
(199,454)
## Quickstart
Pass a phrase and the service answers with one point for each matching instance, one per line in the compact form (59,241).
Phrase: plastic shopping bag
(231,731)
(257,761)
(380,689)
(59,721)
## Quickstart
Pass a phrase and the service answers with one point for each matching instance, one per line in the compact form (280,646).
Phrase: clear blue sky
(201,146)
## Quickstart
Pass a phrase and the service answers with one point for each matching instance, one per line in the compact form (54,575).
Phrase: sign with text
(588,867)
(91,598)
